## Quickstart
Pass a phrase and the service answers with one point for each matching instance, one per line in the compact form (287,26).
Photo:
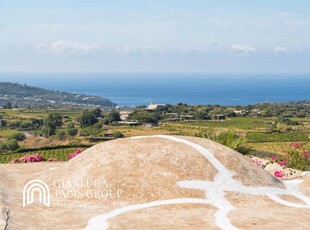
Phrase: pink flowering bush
(29,159)
(282,163)
(279,174)
(296,145)
(77,152)
(32,158)
(306,154)
(298,157)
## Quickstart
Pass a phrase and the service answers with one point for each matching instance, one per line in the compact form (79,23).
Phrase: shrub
(29,159)
(17,136)
(91,130)
(77,152)
(85,132)
(299,158)
(10,145)
(72,132)
(61,134)
(118,134)
(70,125)
(229,139)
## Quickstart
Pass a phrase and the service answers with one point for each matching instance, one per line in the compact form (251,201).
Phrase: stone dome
(156,182)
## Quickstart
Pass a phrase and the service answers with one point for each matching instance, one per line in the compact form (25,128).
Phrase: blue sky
(223,36)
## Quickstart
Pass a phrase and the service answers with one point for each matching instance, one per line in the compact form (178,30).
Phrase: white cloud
(41,48)
(279,50)
(125,49)
(242,49)
(77,48)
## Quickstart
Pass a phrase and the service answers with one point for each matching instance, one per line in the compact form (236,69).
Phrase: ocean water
(142,89)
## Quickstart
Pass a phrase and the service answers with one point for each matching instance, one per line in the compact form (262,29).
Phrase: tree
(145,117)
(114,116)
(51,123)
(201,115)
(8,105)
(97,112)
(88,118)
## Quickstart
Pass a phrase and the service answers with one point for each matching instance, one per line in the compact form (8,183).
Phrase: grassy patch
(247,123)
(255,137)
(5,133)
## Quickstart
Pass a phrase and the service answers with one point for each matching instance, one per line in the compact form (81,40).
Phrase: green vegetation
(144,117)
(262,129)
(118,134)
(8,105)
(88,118)
(72,132)
(10,145)
(17,136)
(17,95)
(298,160)
(229,139)
(58,154)
(61,134)
(112,117)
(247,123)
(51,124)
(255,137)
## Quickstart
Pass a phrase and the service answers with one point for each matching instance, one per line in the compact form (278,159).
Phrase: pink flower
(296,145)
(282,163)
(77,152)
(274,158)
(31,158)
(306,153)
(279,174)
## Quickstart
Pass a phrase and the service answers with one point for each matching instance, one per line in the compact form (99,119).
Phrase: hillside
(25,96)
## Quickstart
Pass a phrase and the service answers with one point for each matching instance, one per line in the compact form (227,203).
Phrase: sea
(128,90)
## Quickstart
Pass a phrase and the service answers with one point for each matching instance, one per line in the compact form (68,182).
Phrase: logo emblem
(33,188)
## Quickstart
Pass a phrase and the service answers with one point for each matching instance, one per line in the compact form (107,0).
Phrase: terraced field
(58,154)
